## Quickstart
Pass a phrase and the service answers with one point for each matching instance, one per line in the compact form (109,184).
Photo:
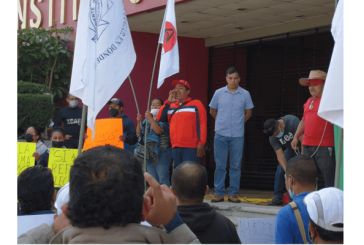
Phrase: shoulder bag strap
(297,214)
(179,107)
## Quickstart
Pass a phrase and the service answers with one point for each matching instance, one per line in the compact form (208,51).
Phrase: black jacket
(208,226)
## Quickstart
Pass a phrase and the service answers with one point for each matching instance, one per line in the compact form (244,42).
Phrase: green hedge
(34,109)
(32,88)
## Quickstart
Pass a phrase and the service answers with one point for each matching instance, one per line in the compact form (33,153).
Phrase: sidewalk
(234,211)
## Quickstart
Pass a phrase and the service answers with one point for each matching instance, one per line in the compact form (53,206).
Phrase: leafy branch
(43,57)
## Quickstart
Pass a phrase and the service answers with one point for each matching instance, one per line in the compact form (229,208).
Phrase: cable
(317,146)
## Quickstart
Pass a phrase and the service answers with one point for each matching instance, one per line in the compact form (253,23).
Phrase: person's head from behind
(325,210)
(106,189)
(301,175)
(36,190)
(156,105)
(57,137)
(32,135)
(189,183)
(232,78)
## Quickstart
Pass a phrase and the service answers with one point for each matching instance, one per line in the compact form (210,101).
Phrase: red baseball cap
(182,82)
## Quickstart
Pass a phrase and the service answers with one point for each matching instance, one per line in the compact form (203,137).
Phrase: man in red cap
(318,134)
(187,123)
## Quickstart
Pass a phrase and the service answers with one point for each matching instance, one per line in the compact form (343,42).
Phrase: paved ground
(234,211)
(259,194)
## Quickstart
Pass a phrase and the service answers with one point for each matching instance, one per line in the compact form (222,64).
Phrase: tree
(43,58)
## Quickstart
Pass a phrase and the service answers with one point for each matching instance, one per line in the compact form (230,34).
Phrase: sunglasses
(311,105)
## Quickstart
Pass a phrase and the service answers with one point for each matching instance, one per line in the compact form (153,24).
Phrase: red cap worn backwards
(182,82)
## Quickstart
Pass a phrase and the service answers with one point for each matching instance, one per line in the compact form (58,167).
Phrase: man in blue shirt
(301,178)
(231,107)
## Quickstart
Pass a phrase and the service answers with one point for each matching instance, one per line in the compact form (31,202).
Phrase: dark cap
(116,101)
(270,126)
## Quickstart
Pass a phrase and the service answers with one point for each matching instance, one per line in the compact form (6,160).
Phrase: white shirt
(41,148)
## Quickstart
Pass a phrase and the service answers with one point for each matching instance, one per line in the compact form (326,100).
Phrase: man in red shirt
(187,123)
(318,139)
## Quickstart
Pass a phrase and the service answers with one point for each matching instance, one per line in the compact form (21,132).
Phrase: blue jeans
(222,146)
(160,171)
(279,181)
(132,148)
(181,154)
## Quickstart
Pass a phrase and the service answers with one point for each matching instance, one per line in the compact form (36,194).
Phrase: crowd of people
(107,201)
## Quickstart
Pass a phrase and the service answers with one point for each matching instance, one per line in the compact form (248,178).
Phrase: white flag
(104,54)
(168,37)
(332,101)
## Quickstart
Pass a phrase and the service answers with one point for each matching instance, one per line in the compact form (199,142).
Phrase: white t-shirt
(41,148)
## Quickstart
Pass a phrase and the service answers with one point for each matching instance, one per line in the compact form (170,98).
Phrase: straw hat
(314,74)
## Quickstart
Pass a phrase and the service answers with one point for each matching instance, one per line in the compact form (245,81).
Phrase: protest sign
(107,131)
(29,222)
(257,230)
(60,162)
(25,156)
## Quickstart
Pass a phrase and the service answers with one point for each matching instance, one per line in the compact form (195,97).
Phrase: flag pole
(339,148)
(132,88)
(136,102)
(82,131)
(146,121)
(338,159)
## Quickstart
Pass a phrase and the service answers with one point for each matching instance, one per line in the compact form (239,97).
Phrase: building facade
(273,43)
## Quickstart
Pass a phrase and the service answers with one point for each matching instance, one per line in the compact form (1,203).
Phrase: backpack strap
(297,214)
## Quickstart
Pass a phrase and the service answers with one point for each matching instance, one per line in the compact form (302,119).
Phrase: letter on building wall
(37,13)
(23,16)
(62,12)
(74,9)
(50,19)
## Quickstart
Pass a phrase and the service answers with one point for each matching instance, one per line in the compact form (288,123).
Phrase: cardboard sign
(107,131)
(25,156)
(257,230)
(60,162)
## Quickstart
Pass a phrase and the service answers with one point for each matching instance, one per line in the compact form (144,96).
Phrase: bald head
(189,181)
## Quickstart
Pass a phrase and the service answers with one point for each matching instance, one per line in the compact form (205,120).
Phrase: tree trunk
(51,76)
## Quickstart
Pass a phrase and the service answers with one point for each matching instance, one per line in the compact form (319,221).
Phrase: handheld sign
(29,222)
(60,162)
(107,131)
(25,156)
(257,230)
